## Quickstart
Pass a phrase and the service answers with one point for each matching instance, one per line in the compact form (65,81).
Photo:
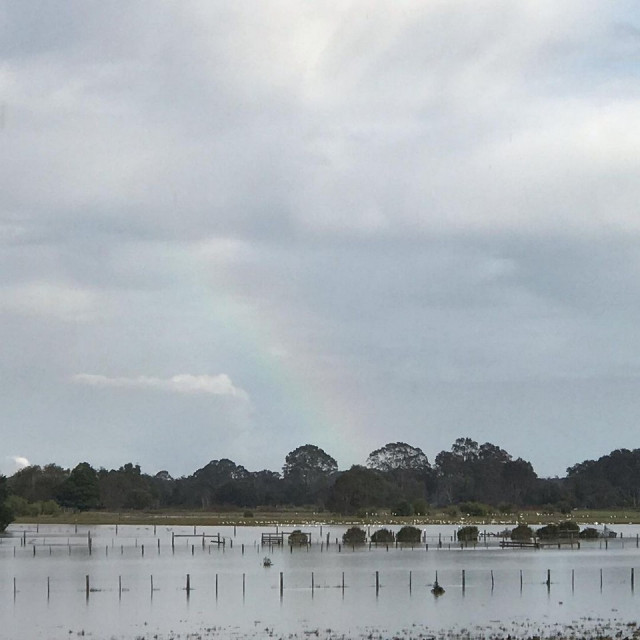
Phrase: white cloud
(219,385)
(12,464)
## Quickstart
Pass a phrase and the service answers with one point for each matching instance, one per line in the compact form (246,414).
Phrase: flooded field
(136,582)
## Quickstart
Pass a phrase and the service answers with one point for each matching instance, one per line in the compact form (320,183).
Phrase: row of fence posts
(219,540)
(188,586)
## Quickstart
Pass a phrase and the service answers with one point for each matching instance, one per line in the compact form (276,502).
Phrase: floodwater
(137,585)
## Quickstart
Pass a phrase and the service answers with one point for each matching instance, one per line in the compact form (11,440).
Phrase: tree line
(397,478)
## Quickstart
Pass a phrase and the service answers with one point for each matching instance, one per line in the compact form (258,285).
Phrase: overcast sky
(231,228)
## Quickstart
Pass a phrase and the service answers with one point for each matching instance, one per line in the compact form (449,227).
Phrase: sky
(228,229)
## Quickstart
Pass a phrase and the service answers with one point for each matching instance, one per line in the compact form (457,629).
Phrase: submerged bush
(383,535)
(468,534)
(298,537)
(409,534)
(565,529)
(354,535)
(522,532)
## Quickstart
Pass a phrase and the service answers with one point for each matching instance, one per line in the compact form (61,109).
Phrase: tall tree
(307,472)
(6,515)
(81,489)
(398,456)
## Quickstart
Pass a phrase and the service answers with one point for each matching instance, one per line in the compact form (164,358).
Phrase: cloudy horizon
(227,230)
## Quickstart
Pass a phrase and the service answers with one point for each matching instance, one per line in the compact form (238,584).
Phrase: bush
(568,528)
(354,535)
(21,507)
(383,535)
(409,534)
(420,507)
(547,532)
(247,514)
(522,532)
(565,529)
(505,507)
(468,534)
(404,508)
(474,509)
(50,508)
(298,537)
(589,533)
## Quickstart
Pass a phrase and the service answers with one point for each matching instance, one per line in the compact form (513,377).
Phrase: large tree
(307,473)
(6,516)
(80,490)
(396,456)
(407,466)
(360,488)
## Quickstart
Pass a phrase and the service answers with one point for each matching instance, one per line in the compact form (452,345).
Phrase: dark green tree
(6,515)
(81,489)
(307,473)
(361,488)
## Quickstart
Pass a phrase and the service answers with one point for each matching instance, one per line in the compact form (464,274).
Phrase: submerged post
(463,580)
(281,583)
(377,582)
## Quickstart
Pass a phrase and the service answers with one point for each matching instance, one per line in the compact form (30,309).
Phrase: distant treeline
(397,478)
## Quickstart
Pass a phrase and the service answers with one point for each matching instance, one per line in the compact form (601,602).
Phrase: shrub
(589,533)
(548,531)
(505,507)
(49,508)
(298,537)
(247,514)
(522,532)
(568,528)
(383,535)
(565,529)
(474,508)
(409,534)
(420,507)
(468,534)
(404,508)
(354,535)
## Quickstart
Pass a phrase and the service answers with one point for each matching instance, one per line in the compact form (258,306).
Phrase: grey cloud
(421,214)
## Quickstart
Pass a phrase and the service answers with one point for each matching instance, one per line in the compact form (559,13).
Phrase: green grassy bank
(308,516)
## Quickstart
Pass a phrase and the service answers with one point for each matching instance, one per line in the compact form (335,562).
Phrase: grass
(308,516)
